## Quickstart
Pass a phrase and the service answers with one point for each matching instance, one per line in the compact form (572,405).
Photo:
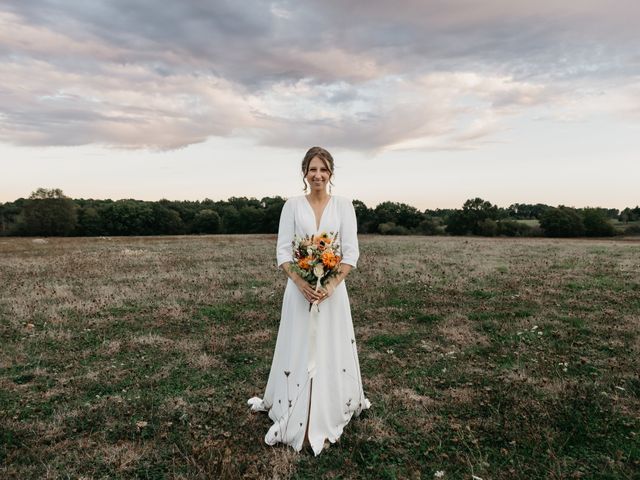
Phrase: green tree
(365,217)
(12,213)
(428,226)
(187,210)
(562,222)
(272,207)
(230,218)
(629,215)
(596,223)
(127,217)
(250,219)
(401,214)
(526,211)
(89,222)
(3,220)
(456,223)
(477,217)
(206,221)
(49,212)
(165,221)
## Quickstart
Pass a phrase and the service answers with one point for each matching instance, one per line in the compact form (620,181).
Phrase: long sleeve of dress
(286,230)
(349,234)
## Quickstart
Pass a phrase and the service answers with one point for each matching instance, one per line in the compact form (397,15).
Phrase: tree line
(48,212)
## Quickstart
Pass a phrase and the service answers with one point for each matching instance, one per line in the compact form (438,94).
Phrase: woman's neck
(318,196)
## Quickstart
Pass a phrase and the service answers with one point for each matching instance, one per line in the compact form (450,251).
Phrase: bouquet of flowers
(317,257)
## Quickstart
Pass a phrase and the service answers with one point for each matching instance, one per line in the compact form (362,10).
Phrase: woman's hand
(326,291)
(307,290)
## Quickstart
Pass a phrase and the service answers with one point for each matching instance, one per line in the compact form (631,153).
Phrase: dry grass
(502,358)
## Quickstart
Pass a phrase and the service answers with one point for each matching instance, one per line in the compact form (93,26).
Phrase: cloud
(122,105)
(366,75)
(436,111)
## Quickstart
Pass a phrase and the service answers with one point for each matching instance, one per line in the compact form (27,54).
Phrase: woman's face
(318,175)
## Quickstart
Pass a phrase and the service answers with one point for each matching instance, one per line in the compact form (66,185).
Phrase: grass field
(499,358)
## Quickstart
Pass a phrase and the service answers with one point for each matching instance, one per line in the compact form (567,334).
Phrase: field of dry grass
(499,358)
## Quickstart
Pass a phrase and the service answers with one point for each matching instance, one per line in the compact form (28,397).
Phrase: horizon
(422,103)
(371,206)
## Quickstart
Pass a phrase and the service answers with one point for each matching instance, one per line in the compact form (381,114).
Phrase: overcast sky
(424,102)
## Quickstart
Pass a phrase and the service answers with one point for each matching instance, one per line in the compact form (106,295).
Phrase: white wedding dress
(314,348)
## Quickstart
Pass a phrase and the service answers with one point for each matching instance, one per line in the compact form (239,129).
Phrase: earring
(329,189)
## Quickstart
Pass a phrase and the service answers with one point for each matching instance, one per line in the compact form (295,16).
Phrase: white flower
(439,474)
(318,270)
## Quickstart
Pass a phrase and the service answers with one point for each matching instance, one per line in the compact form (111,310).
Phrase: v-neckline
(318,222)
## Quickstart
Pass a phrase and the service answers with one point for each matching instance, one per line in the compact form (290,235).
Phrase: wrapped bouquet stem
(317,259)
(318,285)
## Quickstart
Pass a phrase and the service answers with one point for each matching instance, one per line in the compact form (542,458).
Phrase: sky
(426,102)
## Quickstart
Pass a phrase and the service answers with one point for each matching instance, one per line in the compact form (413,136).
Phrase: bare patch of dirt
(375,429)
(204,361)
(124,455)
(457,330)
(461,394)
(410,399)
(152,339)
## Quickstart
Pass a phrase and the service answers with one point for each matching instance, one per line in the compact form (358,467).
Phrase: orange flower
(325,238)
(329,259)
(304,264)
(322,240)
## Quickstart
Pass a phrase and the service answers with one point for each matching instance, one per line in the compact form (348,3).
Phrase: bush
(390,228)
(486,228)
(596,223)
(400,214)
(428,226)
(562,222)
(535,231)
(456,224)
(512,228)
(632,230)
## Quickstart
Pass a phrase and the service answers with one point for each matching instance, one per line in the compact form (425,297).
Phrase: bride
(314,385)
